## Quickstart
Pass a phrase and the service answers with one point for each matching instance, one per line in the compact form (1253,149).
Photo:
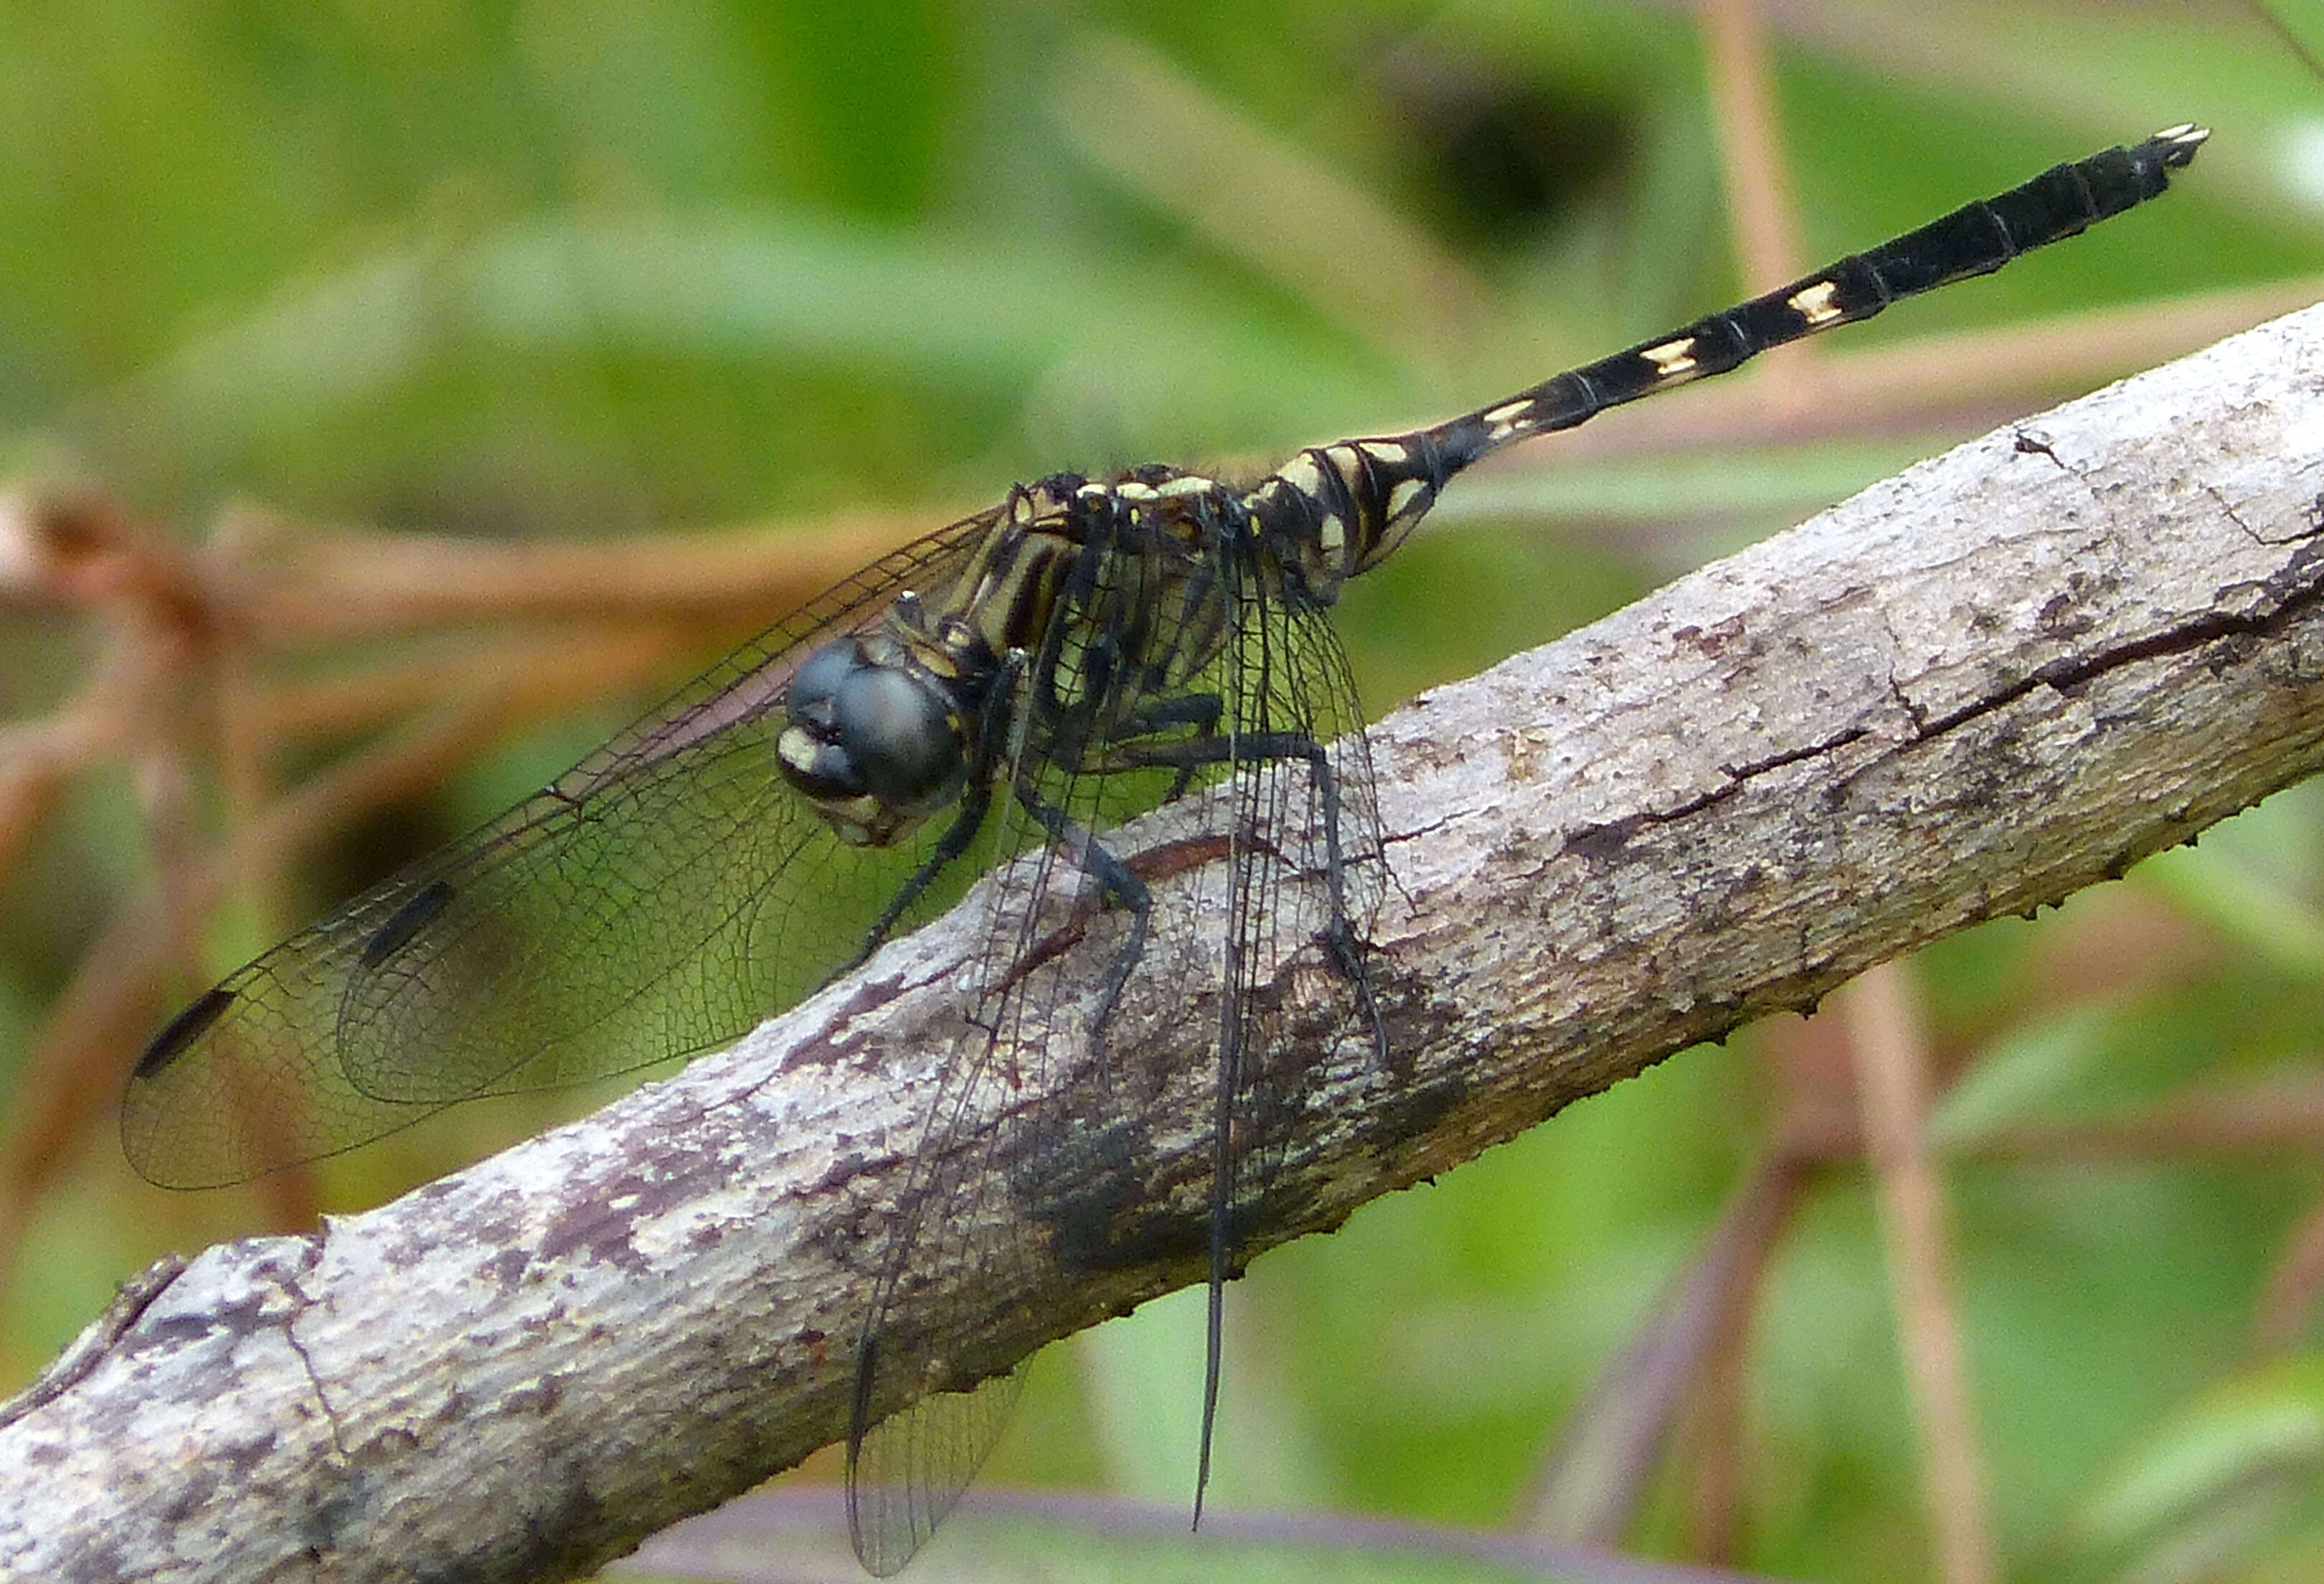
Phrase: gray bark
(2009,674)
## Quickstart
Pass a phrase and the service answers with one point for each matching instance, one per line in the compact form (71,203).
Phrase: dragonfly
(999,696)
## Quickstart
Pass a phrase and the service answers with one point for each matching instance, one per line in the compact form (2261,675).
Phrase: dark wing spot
(183,1030)
(408,921)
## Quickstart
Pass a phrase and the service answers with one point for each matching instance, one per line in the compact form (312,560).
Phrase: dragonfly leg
(1338,937)
(1199,710)
(975,803)
(1115,883)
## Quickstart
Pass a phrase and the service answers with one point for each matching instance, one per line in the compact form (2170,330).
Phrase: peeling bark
(2009,674)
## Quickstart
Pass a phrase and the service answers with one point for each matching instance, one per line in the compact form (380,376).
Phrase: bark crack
(2069,672)
(290,1283)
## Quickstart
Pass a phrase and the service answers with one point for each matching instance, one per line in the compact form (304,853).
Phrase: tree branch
(2007,674)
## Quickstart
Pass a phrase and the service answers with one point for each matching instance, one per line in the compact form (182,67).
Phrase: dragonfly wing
(906,1473)
(1308,880)
(968,1218)
(1038,1152)
(1029,1114)
(661,898)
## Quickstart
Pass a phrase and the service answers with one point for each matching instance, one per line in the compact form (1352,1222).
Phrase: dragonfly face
(877,740)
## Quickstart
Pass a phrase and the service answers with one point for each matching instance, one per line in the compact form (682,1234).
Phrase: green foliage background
(605,267)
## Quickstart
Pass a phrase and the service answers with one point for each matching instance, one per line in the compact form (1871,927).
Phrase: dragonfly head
(876,745)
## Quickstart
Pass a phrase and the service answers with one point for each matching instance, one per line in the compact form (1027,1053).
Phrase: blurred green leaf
(2227,1480)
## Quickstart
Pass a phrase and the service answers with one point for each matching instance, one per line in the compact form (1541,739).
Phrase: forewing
(905,1475)
(1028,1088)
(966,1219)
(661,898)
(1036,1150)
(1306,883)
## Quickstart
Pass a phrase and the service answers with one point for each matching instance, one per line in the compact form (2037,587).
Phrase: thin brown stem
(1891,1055)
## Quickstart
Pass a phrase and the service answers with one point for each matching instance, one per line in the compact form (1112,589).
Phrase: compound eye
(816,685)
(898,737)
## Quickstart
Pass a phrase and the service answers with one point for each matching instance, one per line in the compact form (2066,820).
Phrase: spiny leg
(1115,880)
(974,804)
(1338,936)
(1119,884)
(1203,711)
(1115,883)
